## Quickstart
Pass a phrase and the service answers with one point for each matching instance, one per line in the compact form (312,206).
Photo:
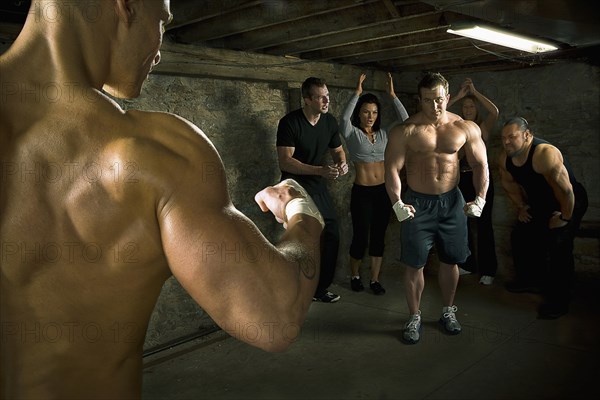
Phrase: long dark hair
(370,99)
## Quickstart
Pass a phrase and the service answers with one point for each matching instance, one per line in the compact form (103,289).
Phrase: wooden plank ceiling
(402,35)
(382,35)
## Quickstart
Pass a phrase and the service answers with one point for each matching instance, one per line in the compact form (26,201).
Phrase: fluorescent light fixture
(503,39)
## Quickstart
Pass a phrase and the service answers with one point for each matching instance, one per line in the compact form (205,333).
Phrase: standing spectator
(550,205)
(369,203)
(304,136)
(483,259)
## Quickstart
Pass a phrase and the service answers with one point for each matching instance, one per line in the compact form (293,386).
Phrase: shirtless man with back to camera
(99,206)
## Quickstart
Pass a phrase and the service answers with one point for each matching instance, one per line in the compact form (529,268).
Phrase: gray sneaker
(412,329)
(449,322)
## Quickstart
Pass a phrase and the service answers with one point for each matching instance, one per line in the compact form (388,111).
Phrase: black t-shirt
(310,143)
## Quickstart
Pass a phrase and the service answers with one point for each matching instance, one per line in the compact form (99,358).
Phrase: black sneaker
(356,285)
(377,288)
(326,297)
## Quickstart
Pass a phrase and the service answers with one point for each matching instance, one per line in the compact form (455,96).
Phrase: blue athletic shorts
(439,219)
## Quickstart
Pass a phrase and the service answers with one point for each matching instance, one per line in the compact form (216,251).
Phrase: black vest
(540,196)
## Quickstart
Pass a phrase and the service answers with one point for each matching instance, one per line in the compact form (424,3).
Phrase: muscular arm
(395,156)
(289,164)
(477,158)
(257,292)
(548,161)
(511,187)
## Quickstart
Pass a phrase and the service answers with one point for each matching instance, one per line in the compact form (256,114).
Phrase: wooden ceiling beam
(347,51)
(198,61)
(305,29)
(262,16)
(187,12)
(385,30)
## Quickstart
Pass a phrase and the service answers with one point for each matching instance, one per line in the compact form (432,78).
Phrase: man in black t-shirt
(303,138)
(550,204)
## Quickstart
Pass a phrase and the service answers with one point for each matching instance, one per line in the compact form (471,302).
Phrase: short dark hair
(519,121)
(369,99)
(431,80)
(309,83)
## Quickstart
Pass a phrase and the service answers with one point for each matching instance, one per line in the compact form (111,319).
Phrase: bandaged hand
(403,211)
(475,207)
(301,205)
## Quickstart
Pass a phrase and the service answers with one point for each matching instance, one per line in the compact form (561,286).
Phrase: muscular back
(432,155)
(79,210)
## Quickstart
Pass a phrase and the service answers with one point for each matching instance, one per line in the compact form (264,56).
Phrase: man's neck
(424,119)
(311,117)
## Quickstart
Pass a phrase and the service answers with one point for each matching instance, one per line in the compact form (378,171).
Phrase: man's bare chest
(440,141)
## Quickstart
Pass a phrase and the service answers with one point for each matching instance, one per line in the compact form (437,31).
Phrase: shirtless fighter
(98,207)
(427,144)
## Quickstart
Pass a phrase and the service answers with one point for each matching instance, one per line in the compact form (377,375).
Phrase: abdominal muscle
(432,173)
(369,173)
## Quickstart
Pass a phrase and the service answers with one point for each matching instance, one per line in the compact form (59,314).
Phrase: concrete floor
(352,350)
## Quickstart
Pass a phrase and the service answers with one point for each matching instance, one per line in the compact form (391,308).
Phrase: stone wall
(240,117)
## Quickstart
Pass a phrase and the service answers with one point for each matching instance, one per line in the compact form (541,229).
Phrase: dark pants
(330,239)
(370,207)
(544,257)
(481,239)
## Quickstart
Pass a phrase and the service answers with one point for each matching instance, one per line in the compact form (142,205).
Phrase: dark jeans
(330,239)
(481,239)
(370,207)
(544,257)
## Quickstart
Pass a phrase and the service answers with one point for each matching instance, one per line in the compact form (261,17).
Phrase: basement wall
(561,103)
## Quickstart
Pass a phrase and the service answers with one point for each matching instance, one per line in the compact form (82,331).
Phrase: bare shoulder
(406,128)
(469,128)
(172,131)
(464,124)
(173,136)
(178,151)
(546,157)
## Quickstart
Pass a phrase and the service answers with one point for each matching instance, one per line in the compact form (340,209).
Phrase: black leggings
(370,207)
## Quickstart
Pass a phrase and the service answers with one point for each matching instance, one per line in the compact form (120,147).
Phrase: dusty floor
(352,350)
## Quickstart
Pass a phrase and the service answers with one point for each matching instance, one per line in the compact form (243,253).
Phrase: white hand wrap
(402,211)
(475,208)
(301,205)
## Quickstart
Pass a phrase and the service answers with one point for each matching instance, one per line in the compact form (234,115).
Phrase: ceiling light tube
(503,39)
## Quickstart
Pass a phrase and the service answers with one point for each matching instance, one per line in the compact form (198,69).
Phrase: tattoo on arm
(306,264)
